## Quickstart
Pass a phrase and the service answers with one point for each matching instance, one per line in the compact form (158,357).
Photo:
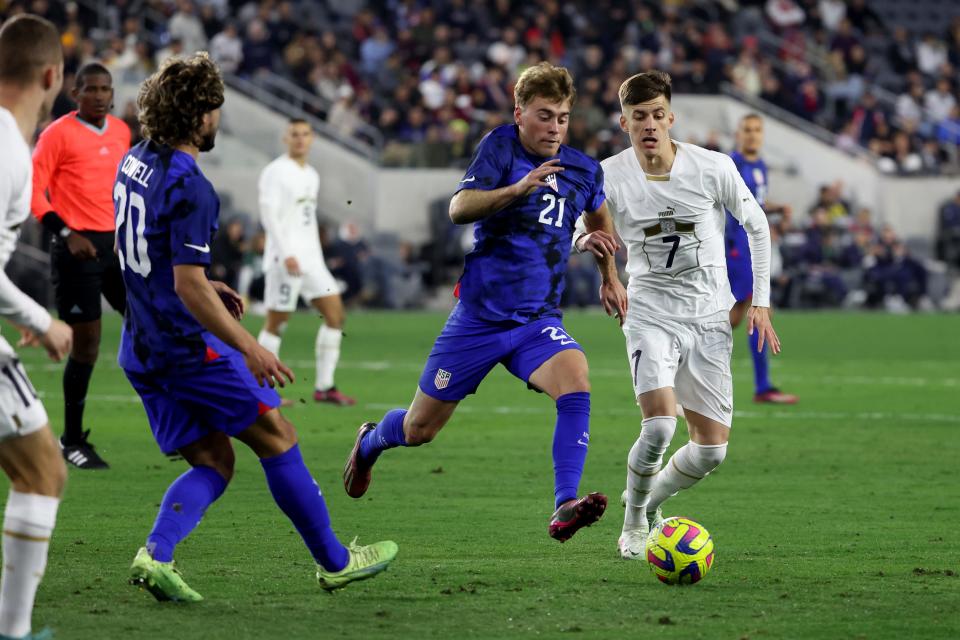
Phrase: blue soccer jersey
(166,214)
(754,174)
(739,265)
(516,270)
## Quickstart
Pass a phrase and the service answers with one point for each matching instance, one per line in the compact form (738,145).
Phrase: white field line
(547,410)
(600,372)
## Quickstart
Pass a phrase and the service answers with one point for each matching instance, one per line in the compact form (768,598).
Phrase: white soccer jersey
(673,227)
(288,211)
(16,182)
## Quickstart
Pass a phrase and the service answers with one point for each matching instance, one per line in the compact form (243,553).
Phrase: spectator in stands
(931,54)
(785,14)
(901,53)
(345,254)
(948,232)
(227,253)
(257,49)
(940,101)
(832,203)
(187,27)
(174,49)
(226,48)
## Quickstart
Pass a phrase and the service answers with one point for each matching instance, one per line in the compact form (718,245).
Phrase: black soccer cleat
(82,454)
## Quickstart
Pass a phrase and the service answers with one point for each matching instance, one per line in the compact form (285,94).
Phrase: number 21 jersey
(673,226)
(516,270)
(166,215)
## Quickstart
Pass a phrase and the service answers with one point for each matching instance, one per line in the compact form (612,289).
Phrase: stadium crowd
(434,76)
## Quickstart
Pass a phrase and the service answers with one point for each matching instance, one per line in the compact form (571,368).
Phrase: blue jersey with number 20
(166,214)
(518,264)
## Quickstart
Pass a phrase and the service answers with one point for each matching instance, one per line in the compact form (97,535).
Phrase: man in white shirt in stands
(667,200)
(293,260)
(31,72)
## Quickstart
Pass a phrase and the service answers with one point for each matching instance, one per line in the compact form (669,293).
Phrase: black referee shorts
(78,284)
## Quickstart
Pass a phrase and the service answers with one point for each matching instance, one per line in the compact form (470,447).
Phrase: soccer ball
(680,551)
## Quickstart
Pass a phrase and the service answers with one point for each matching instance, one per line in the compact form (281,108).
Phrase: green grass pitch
(837,518)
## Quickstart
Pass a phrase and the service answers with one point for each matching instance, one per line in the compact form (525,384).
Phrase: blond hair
(544,81)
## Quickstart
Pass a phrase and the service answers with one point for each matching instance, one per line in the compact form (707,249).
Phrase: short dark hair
(173,101)
(644,87)
(28,43)
(753,115)
(294,121)
(90,69)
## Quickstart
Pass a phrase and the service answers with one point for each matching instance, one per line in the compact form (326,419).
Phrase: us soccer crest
(551,181)
(442,379)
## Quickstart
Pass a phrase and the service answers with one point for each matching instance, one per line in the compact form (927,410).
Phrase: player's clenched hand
(58,340)
(293,267)
(266,367)
(599,243)
(614,299)
(538,177)
(231,299)
(80,247)
(758,319)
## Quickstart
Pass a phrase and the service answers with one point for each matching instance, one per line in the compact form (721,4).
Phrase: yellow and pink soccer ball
(680,551)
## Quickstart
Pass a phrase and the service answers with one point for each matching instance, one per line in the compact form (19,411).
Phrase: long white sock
(270,342)
(27,526)
(327,350)
(643,463)
(690,464)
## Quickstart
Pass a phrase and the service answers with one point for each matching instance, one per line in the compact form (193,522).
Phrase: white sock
(643,463)
(270,342)
(688,465)
(327,350)
(27,526)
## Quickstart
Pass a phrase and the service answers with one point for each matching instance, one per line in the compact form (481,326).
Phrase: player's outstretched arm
(203,301)
(471,205)
(601,241)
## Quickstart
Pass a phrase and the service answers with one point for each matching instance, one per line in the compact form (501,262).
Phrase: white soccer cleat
(632,544)
(655,519)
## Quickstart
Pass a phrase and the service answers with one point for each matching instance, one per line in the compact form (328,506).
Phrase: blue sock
(298,495)
(387,435)
(570,440)
(761,365)
(182,508)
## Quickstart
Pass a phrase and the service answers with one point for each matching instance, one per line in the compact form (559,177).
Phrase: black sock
(76,379)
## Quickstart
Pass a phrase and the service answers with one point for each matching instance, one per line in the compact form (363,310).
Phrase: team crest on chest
(551,181)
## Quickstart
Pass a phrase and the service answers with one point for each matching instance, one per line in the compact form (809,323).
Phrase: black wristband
(53,223)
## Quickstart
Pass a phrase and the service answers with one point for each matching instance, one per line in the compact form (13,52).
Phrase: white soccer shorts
(281,289)
(21,412)
(691,357)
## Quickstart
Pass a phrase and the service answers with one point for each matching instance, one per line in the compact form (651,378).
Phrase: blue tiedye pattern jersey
(516,270)
(754,174)
(166,214)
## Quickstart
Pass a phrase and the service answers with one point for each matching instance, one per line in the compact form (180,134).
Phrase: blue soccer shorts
(222,395)
(468,349)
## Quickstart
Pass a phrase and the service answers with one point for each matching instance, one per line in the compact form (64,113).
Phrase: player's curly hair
(644,87)
(544,81)
(173,101)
